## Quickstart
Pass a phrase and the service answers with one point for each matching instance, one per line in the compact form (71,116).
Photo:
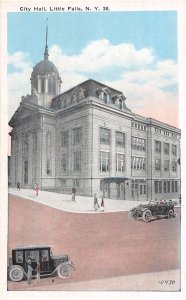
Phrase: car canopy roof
(31,247)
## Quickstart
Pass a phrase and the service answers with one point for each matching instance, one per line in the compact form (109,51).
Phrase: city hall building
(87,138)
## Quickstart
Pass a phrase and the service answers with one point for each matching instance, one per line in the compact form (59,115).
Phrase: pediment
(23,112)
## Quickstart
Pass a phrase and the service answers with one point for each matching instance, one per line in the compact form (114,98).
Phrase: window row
(138,143)
(118,100)
(77,137)
(138,163)
(76,162)
(165,132)
(165,186)
(166,165)
(139,126)
(166,148)
(105,137)
(105,162)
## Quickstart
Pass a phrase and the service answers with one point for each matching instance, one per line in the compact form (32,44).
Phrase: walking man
(36,188)
(38,271)
(96,205)
(102,204)
(18,185)
(73,194)
(29,273)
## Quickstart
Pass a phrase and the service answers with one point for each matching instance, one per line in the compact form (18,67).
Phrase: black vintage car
(153,209)
(60,265)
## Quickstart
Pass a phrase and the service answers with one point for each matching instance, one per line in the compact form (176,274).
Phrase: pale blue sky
(134,52)
(73,31)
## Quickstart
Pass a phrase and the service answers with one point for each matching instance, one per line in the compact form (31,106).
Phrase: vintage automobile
(153,209)
(60,265)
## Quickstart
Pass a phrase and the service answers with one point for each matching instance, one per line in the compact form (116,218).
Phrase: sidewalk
(82,203)
(157,281)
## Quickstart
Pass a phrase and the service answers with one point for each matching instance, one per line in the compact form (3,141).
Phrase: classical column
(19,159)
(30,159)
(12,161)
(39,84)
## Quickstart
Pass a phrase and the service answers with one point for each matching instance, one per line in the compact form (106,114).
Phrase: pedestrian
(73,194)
(18,185)
(29,272)
(36,188)
(38,271)
(102,204)
(96,205)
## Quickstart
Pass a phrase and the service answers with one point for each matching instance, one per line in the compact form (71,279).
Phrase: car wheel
(171,214)
(16,273)
(147,216)
(64,271)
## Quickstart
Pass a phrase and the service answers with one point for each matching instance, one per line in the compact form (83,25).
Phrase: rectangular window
(104,161)
(165,186)
(19,257)
(174,166)
(172,186)
(119,162)
(77,136)
(156,187)
(168,186)
(157,164)
(160,187)
(157,146)
(64,163)
(145,189)
(174,150)
(138,143)
(166,148)
(166,165)
(120,139)
(42,85)
(138,163)
(176,186)
(77,161)
(64,138)
(104,136)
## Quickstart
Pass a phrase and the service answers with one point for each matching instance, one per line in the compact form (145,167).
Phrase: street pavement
(168,280)
(82,203)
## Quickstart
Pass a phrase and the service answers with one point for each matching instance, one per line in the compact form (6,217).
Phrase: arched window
(42,85)
(50,86)
(105,97)
(120,103)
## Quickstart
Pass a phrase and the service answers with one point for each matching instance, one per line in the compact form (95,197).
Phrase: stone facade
(87,138)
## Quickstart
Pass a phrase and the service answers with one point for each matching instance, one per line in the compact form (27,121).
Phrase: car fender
(144,209)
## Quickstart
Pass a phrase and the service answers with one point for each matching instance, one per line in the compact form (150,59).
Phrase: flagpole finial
(46,55)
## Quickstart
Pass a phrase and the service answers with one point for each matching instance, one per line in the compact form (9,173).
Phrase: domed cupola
(45,80)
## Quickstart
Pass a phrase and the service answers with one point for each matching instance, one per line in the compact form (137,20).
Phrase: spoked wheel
(64,271)
(16,273)
(171,214)
(147,216)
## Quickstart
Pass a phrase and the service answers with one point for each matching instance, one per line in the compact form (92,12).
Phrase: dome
(44,67)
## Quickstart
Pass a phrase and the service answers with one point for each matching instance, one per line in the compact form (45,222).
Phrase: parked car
(60,265)
(153,209)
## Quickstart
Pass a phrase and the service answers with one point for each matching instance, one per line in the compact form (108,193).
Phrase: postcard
(92,143)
